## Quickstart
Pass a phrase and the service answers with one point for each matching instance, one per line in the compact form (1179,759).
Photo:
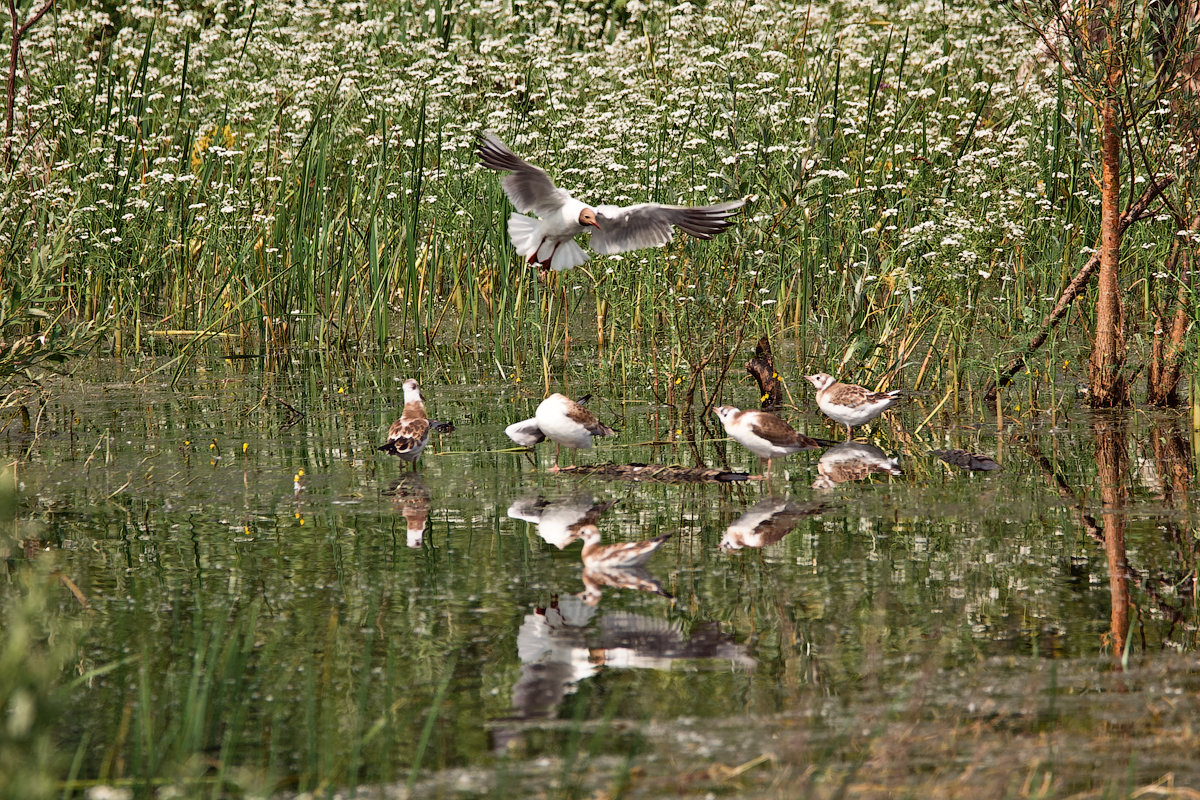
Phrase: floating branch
(971,461)
(662,473)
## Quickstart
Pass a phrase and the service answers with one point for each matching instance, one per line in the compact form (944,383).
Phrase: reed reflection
(853,461)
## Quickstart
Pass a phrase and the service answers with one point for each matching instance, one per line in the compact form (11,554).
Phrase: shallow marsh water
(278,608)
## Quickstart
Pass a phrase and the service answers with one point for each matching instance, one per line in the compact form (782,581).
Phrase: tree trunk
(1108,387)
(1162,379)
(762,367)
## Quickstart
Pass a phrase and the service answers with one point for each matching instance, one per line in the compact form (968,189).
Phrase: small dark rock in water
(972,461)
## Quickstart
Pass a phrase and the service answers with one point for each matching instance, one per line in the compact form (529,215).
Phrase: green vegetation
(281,180)
(294,184)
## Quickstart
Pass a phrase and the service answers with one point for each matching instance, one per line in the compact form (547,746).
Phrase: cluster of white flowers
(177,135)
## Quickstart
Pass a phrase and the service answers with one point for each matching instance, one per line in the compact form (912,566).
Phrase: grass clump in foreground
(282,179)
(37,645)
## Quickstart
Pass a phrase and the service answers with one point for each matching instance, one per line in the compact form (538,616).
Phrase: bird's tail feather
(525,233)
(567,255)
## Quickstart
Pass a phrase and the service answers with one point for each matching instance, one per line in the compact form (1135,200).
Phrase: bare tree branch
(1076,286)
(18,32)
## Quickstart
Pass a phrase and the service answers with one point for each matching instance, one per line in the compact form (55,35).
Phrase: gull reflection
(852,461)
(410,496)
(559,521)
(621,555)
(639,579)
(565,643)
(766,522)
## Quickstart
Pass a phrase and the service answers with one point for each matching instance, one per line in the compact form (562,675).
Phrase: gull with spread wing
(549,239)
(568,424)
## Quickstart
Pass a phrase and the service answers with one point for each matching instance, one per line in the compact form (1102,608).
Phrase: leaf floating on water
(663,473)
(965,460)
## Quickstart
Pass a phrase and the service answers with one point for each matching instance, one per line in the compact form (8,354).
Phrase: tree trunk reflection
(1112,471)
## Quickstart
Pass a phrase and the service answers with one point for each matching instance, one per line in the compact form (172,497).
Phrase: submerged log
(973,461)
(661,473)
(762,367)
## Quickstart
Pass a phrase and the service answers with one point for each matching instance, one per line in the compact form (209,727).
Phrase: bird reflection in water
(596,579)
(852,461)
(568,641)
(621,555)
(410,496)
(766,522)
(559,521)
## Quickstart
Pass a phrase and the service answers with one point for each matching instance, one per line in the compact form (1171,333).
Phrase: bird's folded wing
(407,434)
(528,187)
(624,228)
(776,431)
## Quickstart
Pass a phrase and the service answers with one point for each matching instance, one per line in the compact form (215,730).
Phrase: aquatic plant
(37,645)
(287,182)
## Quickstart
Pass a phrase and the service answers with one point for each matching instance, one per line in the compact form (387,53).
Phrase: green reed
(889,200)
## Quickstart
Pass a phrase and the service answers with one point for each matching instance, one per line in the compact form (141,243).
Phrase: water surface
(284,609)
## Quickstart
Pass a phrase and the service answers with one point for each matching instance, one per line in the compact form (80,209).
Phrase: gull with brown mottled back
(763,433)
(549,239)
(848,404)
(408,435)
(622,555)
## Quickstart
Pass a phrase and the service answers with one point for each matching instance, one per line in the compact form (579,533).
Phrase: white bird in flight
(549,239)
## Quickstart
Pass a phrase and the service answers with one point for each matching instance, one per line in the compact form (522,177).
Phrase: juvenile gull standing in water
(408,435)
(622,555)
(763,433)
(849,404)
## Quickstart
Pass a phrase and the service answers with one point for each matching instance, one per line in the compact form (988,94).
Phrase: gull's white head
(725,414)
(412,391)
(820,380)
(588,217)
